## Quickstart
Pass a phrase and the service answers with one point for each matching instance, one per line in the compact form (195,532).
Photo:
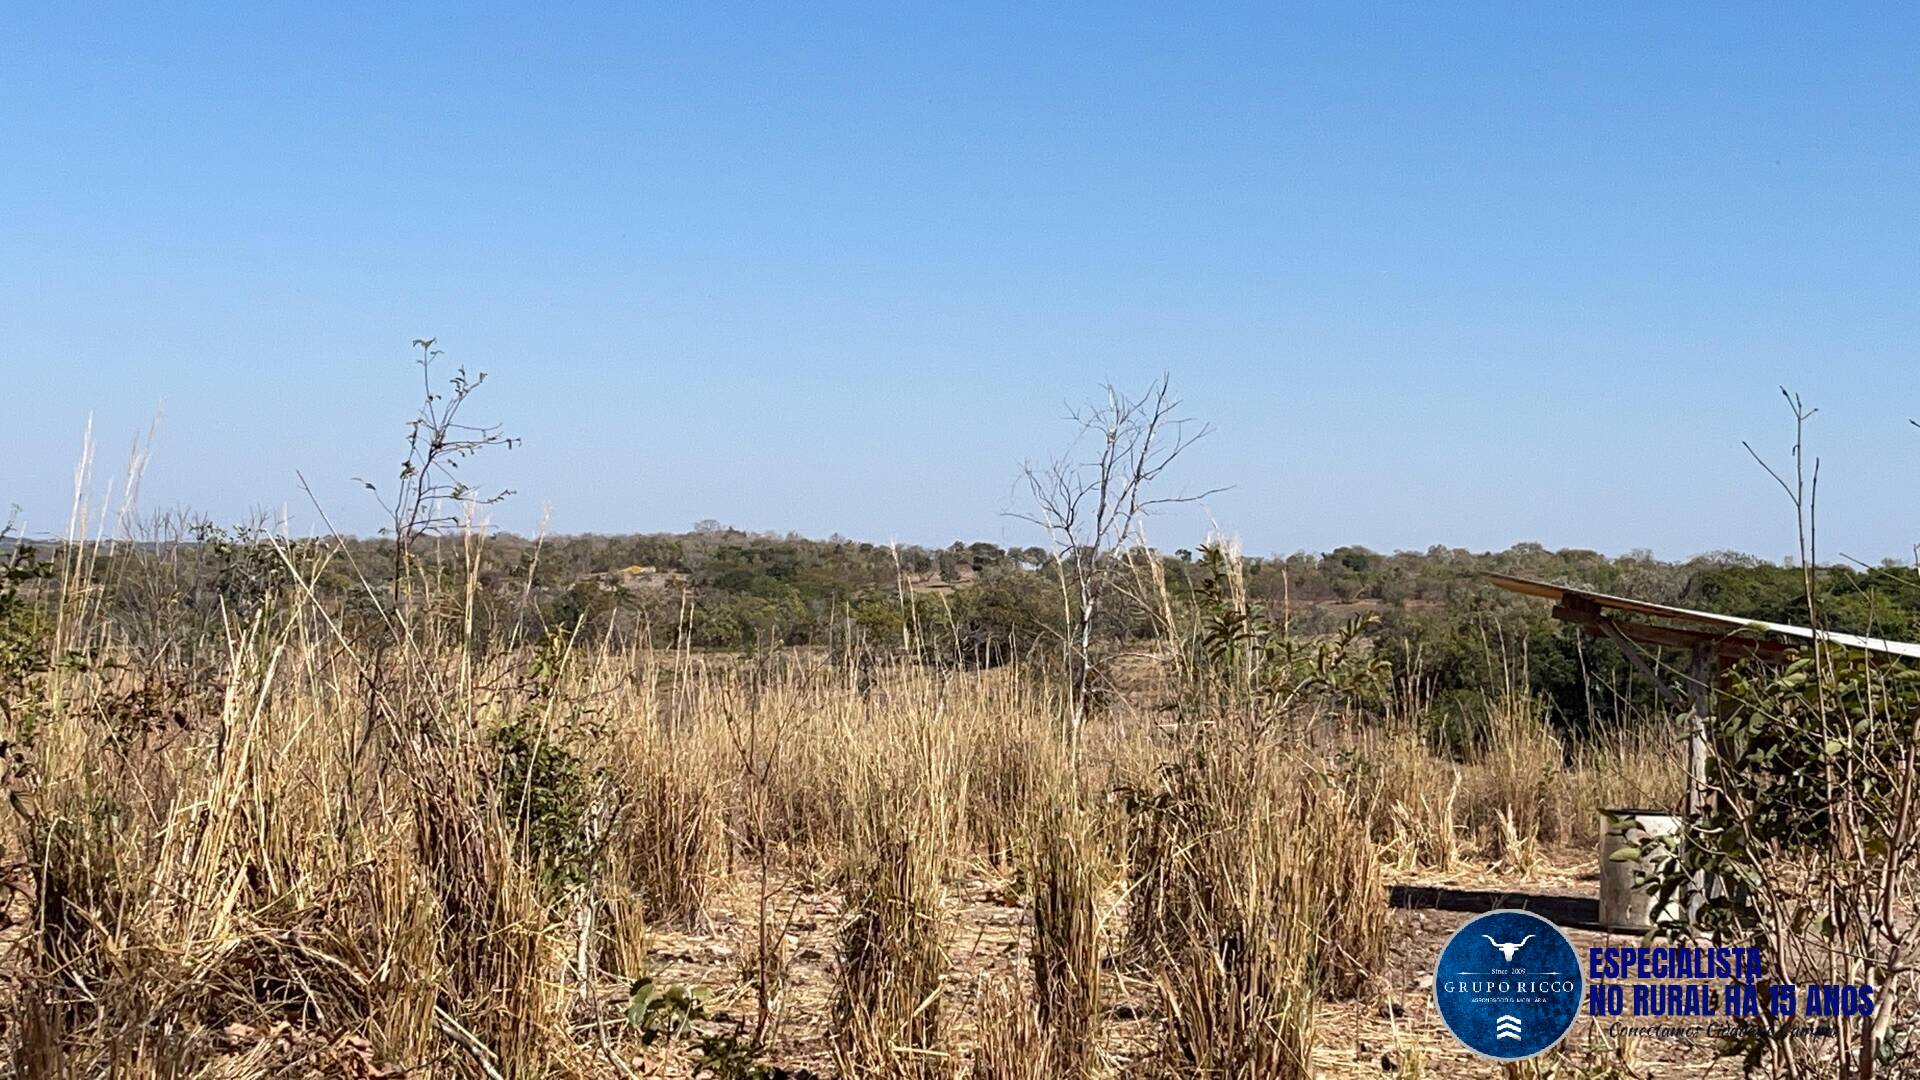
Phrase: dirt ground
(1395,1032)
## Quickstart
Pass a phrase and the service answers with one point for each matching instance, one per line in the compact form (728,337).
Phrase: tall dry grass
(1521,790)
(1068,940)
(888,1007)
(1224,918)
(335,855)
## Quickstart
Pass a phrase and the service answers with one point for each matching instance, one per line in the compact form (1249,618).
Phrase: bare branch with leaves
(430,485)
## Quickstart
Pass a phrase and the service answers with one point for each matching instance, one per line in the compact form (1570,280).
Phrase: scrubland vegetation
(435,804)
(286,847)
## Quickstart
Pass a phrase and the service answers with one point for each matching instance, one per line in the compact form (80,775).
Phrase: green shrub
(542,789)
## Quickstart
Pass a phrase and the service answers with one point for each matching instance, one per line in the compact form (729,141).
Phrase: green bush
(26,634)
(542,789)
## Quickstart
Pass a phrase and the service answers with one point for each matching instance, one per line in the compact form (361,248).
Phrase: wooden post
(1701,675)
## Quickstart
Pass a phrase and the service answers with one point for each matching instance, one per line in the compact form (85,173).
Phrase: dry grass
(332,849)
(1011,1044)
(1522,790)
(1227,924)
(893,951)
(1349,914)
(670,847)
(1067,940)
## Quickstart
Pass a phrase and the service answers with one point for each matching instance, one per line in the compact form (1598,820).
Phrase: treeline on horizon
(1433,614)
(1452,638)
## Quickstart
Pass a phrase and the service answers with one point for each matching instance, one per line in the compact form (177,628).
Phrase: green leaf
(640,1002)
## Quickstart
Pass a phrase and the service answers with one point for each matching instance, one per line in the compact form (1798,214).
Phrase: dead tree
(1092,502)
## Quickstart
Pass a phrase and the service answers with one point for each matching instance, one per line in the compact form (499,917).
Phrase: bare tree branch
(1092,503)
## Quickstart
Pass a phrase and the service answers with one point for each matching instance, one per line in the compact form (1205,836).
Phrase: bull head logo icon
(1507,948)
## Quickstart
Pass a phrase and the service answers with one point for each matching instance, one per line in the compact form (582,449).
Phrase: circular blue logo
(1508,985)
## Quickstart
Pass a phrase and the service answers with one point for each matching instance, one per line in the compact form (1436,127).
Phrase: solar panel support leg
(1701,676)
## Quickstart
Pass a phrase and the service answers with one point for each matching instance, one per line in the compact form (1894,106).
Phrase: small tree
(430,487)
(429,499)
(1093,502)
(25,639)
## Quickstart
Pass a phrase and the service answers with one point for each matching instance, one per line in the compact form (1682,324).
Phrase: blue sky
(1438,274)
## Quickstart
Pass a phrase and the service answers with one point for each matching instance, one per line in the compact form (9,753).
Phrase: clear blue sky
(1438,274)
